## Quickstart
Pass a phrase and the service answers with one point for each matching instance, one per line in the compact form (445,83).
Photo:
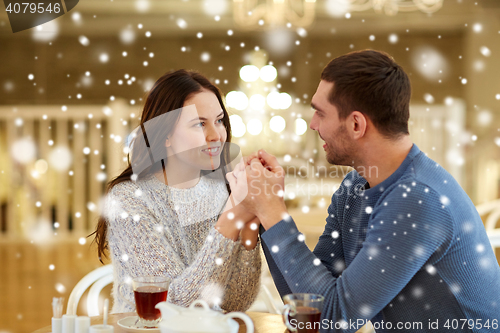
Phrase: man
(403,245)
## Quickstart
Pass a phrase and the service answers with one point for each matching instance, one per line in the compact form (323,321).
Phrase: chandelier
(272,13)
(392,7)
(257,14)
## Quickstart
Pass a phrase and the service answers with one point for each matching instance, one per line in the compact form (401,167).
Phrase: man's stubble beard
(343,152)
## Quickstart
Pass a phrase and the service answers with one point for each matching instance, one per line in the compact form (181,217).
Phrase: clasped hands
(257,188)
(257,185)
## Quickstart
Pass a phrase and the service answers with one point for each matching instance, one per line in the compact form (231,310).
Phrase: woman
(162,215)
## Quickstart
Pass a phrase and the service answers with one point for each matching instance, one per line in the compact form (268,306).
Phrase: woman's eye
(219,121)
(199,124)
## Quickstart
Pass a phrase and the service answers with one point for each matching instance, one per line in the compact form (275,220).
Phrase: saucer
(127,323)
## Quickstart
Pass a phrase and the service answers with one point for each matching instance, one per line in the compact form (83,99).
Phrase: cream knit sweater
(154,229)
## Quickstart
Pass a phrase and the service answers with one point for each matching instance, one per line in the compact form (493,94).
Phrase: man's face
(339,146)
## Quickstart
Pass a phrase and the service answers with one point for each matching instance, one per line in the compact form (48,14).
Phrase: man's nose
(312,124)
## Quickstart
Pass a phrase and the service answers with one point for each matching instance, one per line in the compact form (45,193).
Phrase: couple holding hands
(403,245)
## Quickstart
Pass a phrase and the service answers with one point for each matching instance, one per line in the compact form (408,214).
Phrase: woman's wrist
(227,226)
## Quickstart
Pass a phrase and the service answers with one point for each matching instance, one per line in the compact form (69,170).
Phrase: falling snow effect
(430,62)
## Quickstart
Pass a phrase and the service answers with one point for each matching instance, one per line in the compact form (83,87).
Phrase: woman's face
(199,136)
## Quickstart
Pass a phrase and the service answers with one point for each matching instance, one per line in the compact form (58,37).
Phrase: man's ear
(358,124)
(167,143)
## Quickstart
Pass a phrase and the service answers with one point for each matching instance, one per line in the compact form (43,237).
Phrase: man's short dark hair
(372,83)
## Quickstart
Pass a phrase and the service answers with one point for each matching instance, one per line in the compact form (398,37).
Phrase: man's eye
(199,124)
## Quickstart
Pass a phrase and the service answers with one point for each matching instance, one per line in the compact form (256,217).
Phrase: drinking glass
(148,291)
(302,312)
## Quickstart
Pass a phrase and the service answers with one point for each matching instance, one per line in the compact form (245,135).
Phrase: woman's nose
(212,134)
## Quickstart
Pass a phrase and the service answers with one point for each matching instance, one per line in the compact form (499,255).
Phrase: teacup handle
(246,319)
(122,296)
(289,310)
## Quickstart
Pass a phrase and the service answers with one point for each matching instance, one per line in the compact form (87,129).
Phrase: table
(263,322)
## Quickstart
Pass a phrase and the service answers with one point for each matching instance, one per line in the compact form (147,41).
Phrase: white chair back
(98,279)
(492,209)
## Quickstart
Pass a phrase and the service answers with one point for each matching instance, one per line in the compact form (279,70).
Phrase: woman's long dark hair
(168,93)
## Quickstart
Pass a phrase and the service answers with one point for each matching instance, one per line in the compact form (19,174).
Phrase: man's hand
(262,178)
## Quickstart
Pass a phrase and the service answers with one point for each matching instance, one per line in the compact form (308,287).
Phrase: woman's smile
(213,151)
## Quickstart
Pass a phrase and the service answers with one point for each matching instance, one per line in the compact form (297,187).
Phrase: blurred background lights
(46,32)
(76,17)
(429,98)
(278,100)
(273,100)
(484,118)
(60,158)
(485,51)
(337,8)
(104,58)
(237,100)
(181,23)
(268,73)
(60,288)
(249,73)
(254,126)
(257,102)
(285,101)
(429,62)
(84,40)
(300,126)
(142,6)
(23,150)
(91,206)
(215,7)
(277,124)
(279,41)
(238,128)
(127,36)
(393,38)
(205,57)
(41,166)
(101,176)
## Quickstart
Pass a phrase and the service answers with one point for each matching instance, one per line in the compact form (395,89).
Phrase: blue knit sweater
(410,254)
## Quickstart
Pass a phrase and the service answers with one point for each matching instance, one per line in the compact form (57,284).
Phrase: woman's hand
(258,185)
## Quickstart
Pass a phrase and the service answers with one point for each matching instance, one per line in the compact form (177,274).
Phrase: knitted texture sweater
(410,254)
(154,229)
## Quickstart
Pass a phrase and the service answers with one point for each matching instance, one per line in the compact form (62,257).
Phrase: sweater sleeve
(402,236)
(329,247)
(139,245)
(244,281)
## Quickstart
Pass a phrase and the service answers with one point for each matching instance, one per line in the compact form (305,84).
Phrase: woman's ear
(167,143)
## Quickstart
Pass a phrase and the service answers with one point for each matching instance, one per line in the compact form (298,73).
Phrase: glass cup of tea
(148,291)
(302,312)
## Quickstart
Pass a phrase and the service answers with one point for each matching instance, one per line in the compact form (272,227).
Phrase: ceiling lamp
(252,14)
(390,7)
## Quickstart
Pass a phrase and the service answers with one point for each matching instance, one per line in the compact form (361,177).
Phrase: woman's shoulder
(124,189)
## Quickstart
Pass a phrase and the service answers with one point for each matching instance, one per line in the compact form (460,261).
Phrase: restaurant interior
(72,91)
